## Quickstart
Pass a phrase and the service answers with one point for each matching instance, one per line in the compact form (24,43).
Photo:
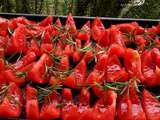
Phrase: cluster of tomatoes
(50,71)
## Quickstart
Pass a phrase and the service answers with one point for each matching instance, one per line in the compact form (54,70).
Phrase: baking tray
(80,21)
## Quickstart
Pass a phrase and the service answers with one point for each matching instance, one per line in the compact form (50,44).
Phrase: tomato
(150,71)
(104,41)
(150,105)
(96,76)
(69,110)
(25,60)
(70,25)
(130,27)
(105,107)
(140,41)
(11,101)
(99,69)
(129,106)
(88,56)
(76,56)
(85,33)
(97,29)
(68,50)
(47,21)
(115,71)
(77,77)
(64,63)
(32,103)
(50,109)
(37,73)
(116,36)
(137,110)
(18,40)
(3,24)
(116,49)
(46,37)
(156,56)
(84,106)
(12,76)
(46,48)
(132,61)
(34,47)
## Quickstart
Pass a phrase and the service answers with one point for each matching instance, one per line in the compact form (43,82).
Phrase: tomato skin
(133,63)
(116,49)
(69,111)
(64,63)
(8,108)
(150,71)
(36,74)
(96,76)
(115,71)
(105,107)
(70,25)
(85,33)
(11,76)
(150,106)
(156,56)
(76,56)
(3,24)
(47,38)
(49,108)
(28,58)
(77,77)
(46,48)
(97,29)
(84,109)
(129,106)
(137,110)
(2,64)
(68,50)
(104,41)
(31,103)
(88,56)
(124,108)
(140,41)
(47,21)
(116,36)
(34,47)
(18,39)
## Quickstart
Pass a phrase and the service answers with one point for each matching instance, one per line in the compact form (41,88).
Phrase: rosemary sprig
(10,31)
(86,48)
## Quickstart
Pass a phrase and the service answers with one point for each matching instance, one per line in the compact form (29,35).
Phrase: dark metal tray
(80,21)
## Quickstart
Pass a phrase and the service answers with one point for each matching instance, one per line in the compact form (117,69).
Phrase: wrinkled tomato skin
(11,76)
(18,39)
(31,103)
(36,74)
(69,111)
(133,64)
(150,71)
(150,106)
(47,21)
(8,109)
(97,29)
(49,108)
(28,58)
(77,77)
(105,107)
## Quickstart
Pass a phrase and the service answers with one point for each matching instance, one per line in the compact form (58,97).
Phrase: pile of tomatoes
(54,71)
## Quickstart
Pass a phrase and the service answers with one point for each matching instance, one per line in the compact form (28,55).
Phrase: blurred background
(106,8)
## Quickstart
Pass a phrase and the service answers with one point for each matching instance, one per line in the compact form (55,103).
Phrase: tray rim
(80,17)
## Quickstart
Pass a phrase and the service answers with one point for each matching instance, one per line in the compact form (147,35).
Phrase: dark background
(106,8)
